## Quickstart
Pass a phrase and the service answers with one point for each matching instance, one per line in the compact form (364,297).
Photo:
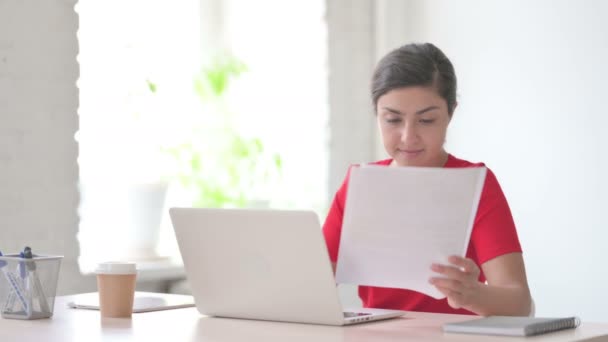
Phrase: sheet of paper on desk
(400,220)
(143,301)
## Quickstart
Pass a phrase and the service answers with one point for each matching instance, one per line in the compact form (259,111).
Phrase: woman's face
(413,122)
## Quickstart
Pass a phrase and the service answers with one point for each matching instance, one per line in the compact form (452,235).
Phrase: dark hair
(415,65)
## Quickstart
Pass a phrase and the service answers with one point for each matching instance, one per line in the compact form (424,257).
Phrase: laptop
(262,264)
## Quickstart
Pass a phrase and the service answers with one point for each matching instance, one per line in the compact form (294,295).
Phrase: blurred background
(113,111)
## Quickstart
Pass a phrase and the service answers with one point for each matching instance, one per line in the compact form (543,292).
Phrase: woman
(414,95)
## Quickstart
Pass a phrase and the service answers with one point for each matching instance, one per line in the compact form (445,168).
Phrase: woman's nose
(409,133)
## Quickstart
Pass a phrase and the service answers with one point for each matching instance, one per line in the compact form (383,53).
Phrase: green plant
(219,166)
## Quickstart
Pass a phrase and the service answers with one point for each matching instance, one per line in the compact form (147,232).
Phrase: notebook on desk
(143,301)
(512,326)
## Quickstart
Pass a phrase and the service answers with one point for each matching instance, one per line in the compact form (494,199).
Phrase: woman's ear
(453,110)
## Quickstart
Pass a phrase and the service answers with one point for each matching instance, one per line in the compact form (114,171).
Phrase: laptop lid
(257,264)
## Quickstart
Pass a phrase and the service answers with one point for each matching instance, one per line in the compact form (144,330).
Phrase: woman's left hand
(459,283)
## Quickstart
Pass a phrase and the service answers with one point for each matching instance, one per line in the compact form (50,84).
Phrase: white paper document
(142,302)
(400,220)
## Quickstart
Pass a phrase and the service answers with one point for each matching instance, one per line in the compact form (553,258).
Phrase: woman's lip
(410,151)
(410,154)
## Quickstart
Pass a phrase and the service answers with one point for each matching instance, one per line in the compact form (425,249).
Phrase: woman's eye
(427,121)
(393,121)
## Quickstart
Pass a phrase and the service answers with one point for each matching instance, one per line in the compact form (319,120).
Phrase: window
(138,63)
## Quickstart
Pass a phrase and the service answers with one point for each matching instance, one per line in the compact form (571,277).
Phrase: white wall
(532,105)
(351,52)
(38,119)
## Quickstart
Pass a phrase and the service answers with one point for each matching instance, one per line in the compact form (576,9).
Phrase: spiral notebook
(512,326)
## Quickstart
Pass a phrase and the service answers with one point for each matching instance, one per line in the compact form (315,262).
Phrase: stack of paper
(400,220)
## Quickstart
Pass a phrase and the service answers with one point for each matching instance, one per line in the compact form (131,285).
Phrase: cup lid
(115,267)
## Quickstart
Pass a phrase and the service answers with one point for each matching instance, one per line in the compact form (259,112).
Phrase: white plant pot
(120,221)
(145,203)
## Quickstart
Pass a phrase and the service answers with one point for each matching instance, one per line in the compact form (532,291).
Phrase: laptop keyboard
(355,314)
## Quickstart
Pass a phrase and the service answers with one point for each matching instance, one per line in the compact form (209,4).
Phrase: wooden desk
(188,325)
